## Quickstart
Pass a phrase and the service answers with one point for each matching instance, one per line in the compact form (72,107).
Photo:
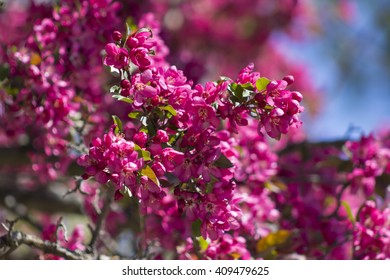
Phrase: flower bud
(289,79)
(125,84)
(140,138)
(117,36)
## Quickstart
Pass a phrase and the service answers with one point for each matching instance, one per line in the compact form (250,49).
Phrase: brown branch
(305,146)
(14,239)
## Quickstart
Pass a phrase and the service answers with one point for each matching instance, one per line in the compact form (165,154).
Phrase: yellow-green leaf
(124,99)
(170,109)
(142,153)
(261,84)
(118,123)
(348,209)
(148,172)
(135,114)
(272,240)
(203,244)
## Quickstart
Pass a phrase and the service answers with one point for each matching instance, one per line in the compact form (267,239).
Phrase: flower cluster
(189,169)
(371,239)
(52,86)
(115,159)
(226,248)
(178,131)
(281,107)
(370,160)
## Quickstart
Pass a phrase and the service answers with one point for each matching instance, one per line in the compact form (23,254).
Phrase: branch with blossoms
(218,170)
(175,139)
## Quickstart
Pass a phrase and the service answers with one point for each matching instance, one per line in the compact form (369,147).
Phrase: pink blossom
(116,56)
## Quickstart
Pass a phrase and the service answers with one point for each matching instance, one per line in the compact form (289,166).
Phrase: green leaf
(276,186)
(115,89)
(151,129)
(123,99)
(142,153)
(274,239)
(170,109)
(247,86)
(195,227)
(240,93)
(347,208)
(130,26)
(223,162)
(261,84)
(12,91)
(118,123)
(233,86)
(135,114)
(148,172)
(4,72)
(203,244)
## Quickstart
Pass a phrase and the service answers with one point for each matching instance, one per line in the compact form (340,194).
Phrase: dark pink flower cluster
(307,198)
(166,226)
(281,107)
(55,81)
(227,247)
(181,127)
(371,239)
(192,159)
(256,163)
(136,50)
(115,159)
(370,159)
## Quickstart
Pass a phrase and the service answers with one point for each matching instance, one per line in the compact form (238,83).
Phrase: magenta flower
(228,248)
(372,233)
(141,58)
(203,114)
(276,123)
(142,87)
(186,170)
(116,56)
(171,159)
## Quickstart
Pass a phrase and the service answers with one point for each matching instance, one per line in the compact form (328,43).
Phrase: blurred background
(338,51)
(349,60)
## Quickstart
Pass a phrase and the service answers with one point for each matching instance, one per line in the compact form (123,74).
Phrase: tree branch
(14,239)
(102,217)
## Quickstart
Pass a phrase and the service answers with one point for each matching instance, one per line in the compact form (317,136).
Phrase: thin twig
(338,199)
(79,180)
(15,209)
(102,216)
